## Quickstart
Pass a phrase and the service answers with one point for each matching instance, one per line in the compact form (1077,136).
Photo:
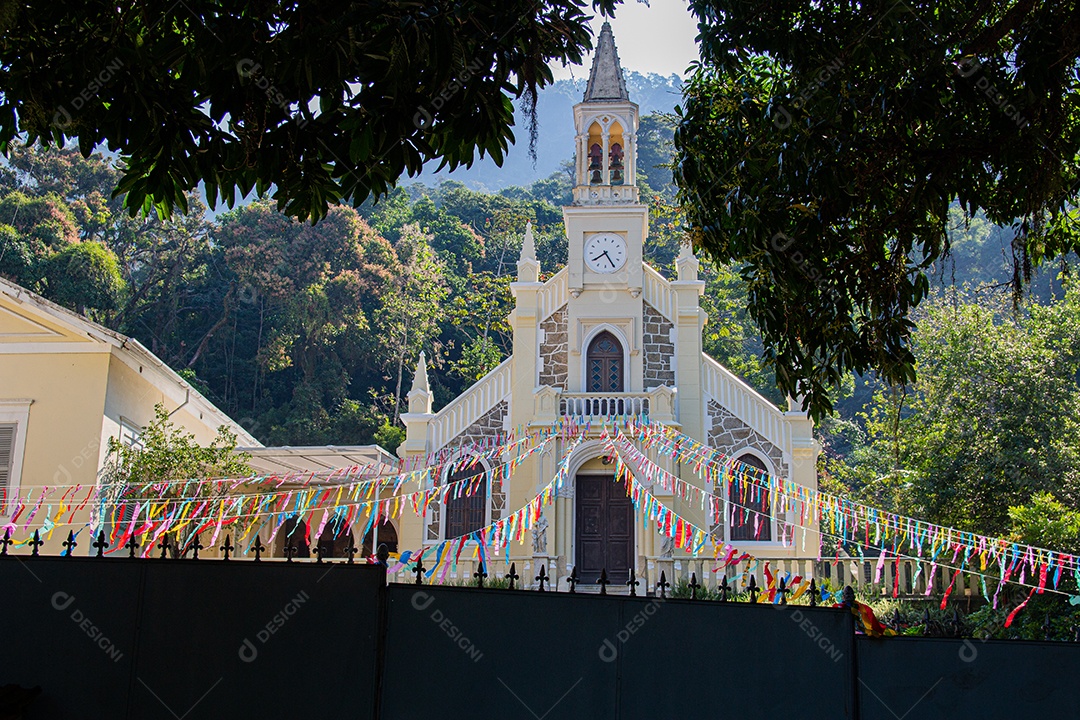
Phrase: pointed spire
(606,82)
(528,265)
(420,397)
(528,245)
(420,379)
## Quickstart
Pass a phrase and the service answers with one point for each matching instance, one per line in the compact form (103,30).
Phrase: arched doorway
(751,516)
(387,536)
(604,364)
(603,528)
(292,532)
(335,538)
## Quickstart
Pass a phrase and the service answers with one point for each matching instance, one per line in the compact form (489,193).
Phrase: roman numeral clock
(605,253)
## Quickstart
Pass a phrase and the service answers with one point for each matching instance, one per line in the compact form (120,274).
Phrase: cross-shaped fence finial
(418,570)
(227,548)
(70,543)
(603,582)
(541,578)
(512,576)
(36,543)
(100,544)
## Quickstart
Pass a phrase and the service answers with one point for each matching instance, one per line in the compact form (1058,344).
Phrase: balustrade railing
(744,402)
(603,405)
(470,406)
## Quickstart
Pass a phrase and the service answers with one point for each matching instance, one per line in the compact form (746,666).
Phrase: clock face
(605,253)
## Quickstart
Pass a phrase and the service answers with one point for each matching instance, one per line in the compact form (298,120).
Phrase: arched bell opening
(595,167)
(616,154)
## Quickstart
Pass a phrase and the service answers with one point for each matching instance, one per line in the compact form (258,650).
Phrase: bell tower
(606,225)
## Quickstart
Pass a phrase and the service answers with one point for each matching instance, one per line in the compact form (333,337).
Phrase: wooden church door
(604,529)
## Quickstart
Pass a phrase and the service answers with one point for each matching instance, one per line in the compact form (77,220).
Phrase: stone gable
(731,436)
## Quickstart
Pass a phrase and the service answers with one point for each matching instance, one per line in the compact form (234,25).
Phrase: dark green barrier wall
(149,640)
(937,678)
(459,652)
(146,639)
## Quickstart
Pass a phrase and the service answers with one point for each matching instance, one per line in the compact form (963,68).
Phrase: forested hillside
(308,334)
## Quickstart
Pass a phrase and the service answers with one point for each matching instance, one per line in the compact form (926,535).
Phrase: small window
(751,516)
(130,434)
(7,457)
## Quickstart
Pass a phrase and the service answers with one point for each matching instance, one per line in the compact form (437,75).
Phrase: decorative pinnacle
(528,245)
(420,379)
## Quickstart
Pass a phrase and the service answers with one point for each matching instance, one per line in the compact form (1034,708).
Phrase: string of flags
(728,490)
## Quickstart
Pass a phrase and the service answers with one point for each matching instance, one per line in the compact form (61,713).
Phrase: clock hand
(610,261)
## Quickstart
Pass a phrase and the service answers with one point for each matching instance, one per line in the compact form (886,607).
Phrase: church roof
(606,82)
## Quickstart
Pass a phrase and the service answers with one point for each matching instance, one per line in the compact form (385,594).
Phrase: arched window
(334,539)
(604,364)
(466,502)
(293,532)
(750,514)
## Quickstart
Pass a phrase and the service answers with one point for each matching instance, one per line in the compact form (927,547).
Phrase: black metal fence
(125,638)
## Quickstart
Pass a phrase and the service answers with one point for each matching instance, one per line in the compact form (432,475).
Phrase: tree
(821,145)
(167,463)
(991,422)
(312,102)
(410,309)
(85,276)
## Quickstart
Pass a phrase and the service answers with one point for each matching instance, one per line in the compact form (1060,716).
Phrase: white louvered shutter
(7,453)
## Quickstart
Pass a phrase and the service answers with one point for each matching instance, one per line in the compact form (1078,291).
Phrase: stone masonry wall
(659,350)
(554,370)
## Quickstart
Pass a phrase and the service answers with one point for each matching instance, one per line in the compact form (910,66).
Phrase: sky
(657,38)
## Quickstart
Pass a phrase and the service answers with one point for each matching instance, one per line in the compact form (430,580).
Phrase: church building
(609,336)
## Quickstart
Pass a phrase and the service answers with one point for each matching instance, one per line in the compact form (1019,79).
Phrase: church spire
(606,82)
